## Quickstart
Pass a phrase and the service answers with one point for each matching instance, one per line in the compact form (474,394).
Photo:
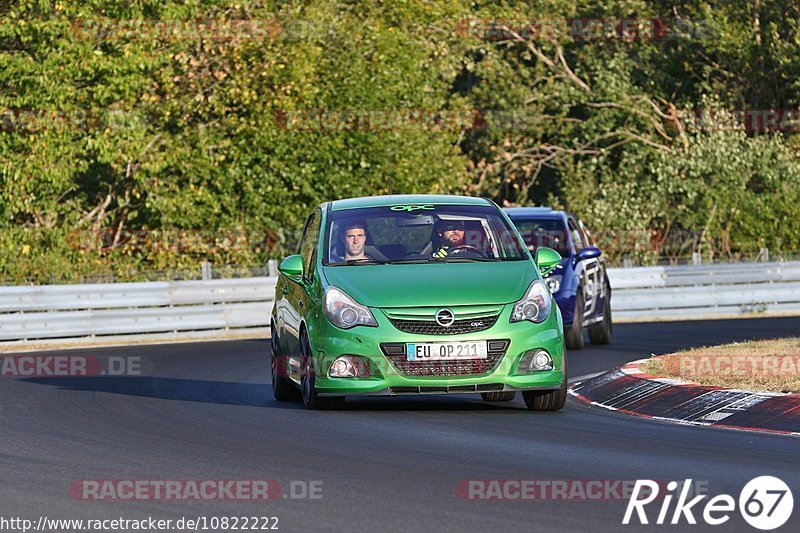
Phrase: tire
(574,335)
(600,333)
(282,387)
(311,400)
(549,400)
(502,396)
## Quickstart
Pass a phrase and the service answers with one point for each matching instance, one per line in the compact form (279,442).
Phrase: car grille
(396,354)
(458,327)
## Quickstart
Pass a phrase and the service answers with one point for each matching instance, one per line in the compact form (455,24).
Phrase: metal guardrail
(648,293)
(70,311)
(111,309)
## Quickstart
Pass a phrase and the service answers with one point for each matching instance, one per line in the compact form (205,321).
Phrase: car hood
(433,284)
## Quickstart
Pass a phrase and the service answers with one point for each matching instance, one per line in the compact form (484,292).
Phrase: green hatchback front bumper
(382,349)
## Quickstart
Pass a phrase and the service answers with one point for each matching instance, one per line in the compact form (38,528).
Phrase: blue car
(579,283)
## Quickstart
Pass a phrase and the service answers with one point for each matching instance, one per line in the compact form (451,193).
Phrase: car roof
(406,199)
(533,212)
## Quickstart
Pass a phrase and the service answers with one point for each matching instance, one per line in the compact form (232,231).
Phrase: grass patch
(769,365)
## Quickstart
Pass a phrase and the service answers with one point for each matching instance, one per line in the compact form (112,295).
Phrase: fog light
(535,361)
(348,366)
(542,361)
(343,368)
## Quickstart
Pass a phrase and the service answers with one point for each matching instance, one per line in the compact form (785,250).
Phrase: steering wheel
(466,248)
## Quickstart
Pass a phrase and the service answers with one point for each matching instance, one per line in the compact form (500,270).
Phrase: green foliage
(112,125)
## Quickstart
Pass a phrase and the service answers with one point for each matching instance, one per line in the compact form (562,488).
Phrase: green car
(416,294)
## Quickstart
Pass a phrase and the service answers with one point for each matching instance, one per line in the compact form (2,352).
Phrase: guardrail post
(205,270)
(763,254)
(272,267)
(697,258)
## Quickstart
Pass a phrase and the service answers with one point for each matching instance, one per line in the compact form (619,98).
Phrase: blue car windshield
(420,234)
(550,232)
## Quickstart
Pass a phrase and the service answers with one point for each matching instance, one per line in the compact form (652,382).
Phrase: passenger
(354,237)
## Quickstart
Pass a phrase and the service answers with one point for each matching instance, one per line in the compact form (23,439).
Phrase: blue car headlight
(553,282)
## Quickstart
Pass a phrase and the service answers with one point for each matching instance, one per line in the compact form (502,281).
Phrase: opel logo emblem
(445,318)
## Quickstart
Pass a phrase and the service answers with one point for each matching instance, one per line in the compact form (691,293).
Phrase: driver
(354,237)
(452,235)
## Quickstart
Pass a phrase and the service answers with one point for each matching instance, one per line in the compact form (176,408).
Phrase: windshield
(420,234)
(550,232)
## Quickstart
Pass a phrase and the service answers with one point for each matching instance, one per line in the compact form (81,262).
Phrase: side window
(304,233)
(577,236)
(587,237)
(308,245)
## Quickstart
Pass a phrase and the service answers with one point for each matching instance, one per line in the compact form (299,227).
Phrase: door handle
(300,303)
(285,290)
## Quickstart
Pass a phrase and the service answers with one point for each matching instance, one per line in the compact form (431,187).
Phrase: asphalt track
(205,411)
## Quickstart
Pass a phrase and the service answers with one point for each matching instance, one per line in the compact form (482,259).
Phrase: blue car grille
(396,353)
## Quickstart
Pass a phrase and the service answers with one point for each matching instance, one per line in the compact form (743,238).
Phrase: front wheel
(551,400)
(282,388)
(311,399)
(574,335)
(600,333)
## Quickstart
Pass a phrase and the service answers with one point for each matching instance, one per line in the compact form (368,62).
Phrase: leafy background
(132,151)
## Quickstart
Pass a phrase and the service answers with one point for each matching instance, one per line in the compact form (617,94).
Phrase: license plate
(438,351)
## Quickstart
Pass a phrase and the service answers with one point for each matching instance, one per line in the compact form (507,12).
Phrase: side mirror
(587,253)
(547,259)
(292,267)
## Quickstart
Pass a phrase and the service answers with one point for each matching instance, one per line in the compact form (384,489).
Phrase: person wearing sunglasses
(451,233)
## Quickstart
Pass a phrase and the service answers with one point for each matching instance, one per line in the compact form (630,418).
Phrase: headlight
(554,282)
(344,312)
(534,306)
